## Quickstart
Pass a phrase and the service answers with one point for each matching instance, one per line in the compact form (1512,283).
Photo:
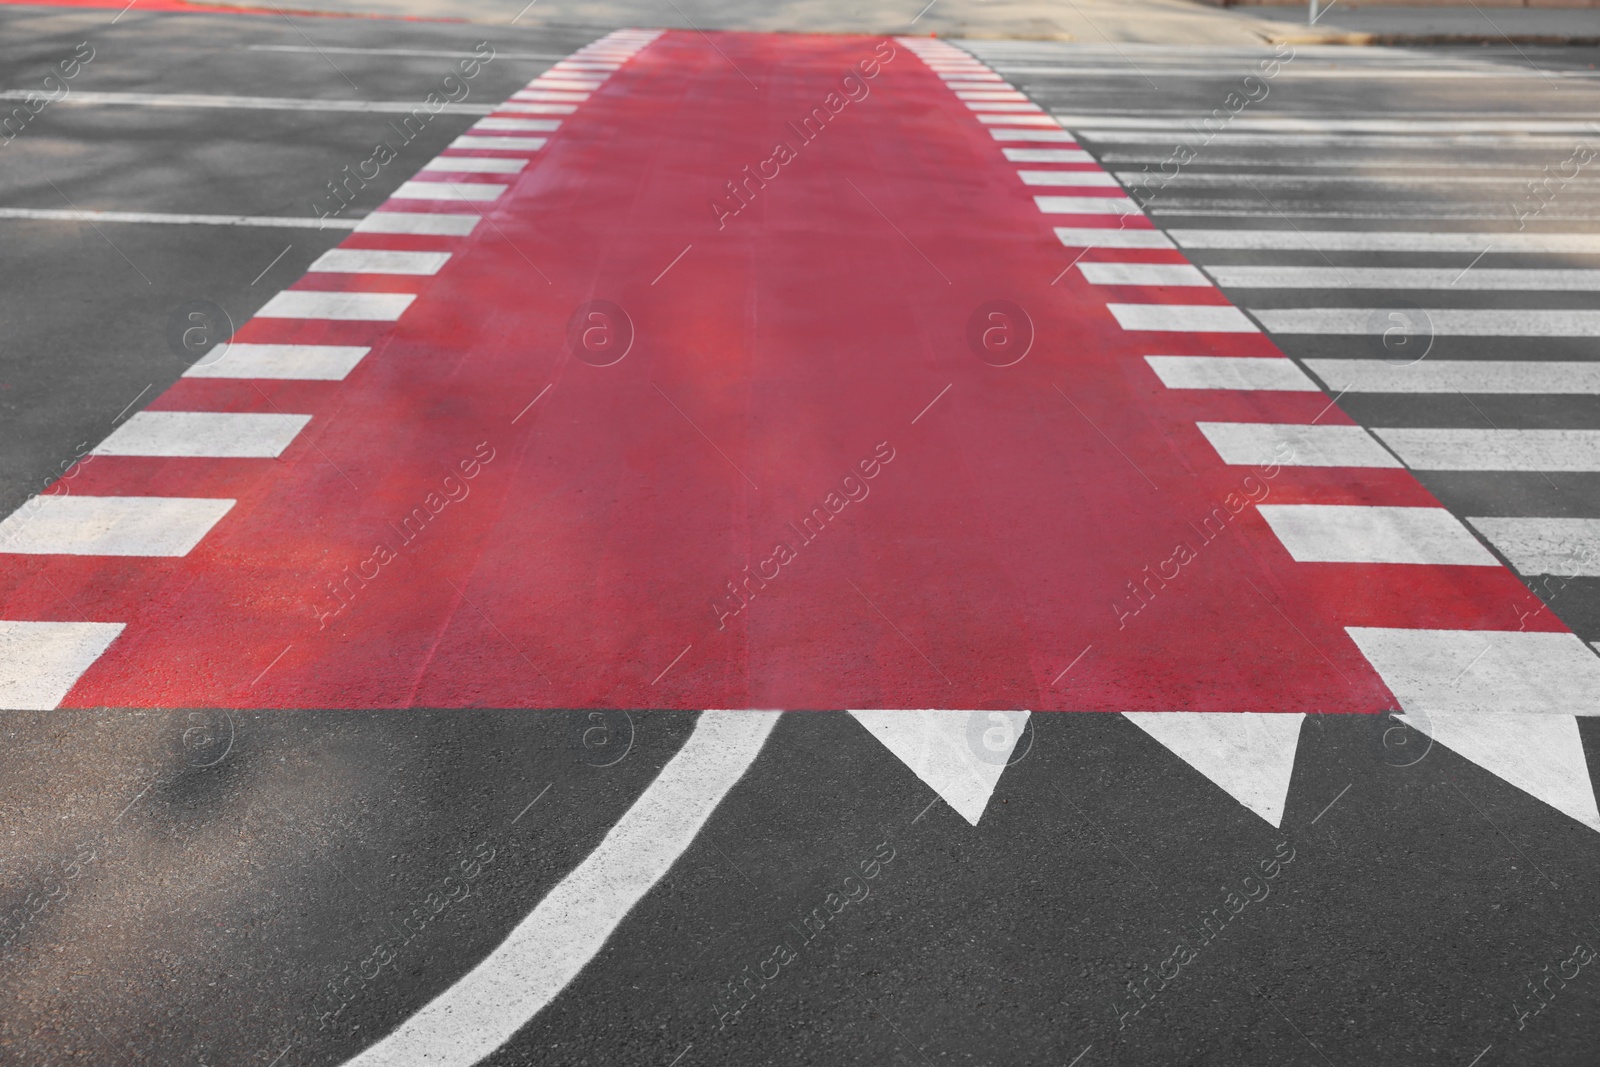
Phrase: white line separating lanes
(169,218)
(1297,240)
(1483,376)
(1494,450)
(1441,322)
(1477,278)
(1566,547)
(251,103)
(569,927)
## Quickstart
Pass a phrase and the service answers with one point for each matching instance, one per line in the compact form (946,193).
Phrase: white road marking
(990,94)
(432,223)
(1278,124)
(40,662)
(569,927)
(319,49)
(1294,240)
(479,164)
(110,525)
(1541,755)
(1334,185)
(519,107)
(1179,274)
(1111,237)
(1494,450)
(1230,372)
(1228,138)
(85,98)
(1295,72)
(1009,119)
(318,363)
(1440,322)
(518,125)
(1067,177)
(453,191)
(1504,376)
(1483,672)
(1022,134)
(1295,444)
(991,105)
(550,97)
(1566,547)
(570,85)
(1087,205)
(377,261)
(1344,533)
(499,144)
(1047,155)
(61,215)
(1183,318)
(963,77)
(1479,278)
(320,304)
(1250,755)
(209,434)
(958,754)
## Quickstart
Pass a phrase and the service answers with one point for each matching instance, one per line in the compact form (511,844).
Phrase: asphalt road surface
(1130,512)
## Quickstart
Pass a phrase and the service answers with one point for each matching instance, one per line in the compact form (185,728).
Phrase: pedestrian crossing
(1358,238)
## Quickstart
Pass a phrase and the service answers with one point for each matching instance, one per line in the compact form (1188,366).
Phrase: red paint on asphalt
(778,353)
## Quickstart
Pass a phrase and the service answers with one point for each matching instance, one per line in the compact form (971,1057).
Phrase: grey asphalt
(203,887)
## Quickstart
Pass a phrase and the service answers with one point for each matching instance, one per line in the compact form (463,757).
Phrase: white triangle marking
(1249,754)
(1540,754)
(959,754)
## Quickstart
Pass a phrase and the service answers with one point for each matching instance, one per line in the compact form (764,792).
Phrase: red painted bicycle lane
(587,562)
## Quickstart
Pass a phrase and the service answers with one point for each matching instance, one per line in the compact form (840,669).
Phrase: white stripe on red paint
(41,661)
(377,261)
(353,307)
(204,434)
(110,525)
(318,363)
(1182,318)
(1345,533)
(1295,444)
(1269,374)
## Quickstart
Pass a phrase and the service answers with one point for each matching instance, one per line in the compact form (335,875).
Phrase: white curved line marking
(568,928)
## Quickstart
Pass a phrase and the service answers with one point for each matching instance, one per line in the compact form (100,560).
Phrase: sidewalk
(1343,23)
(1175,22)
